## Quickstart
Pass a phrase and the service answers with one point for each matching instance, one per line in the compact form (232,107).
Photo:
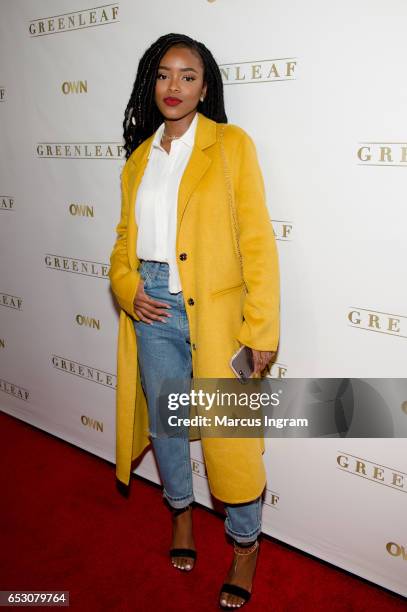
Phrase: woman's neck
(176,128)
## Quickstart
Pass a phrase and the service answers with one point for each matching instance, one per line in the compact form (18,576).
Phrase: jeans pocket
(145,275)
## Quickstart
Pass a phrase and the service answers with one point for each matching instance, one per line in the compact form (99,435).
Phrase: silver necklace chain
(164,135)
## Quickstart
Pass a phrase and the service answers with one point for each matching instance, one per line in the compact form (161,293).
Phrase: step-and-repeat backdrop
(322,89)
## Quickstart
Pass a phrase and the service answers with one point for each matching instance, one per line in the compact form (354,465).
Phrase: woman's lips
(172,101)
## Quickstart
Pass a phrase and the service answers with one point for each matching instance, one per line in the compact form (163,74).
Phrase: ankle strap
(177,511)
(249,549)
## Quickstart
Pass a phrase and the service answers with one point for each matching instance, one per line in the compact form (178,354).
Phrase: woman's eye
(162,76)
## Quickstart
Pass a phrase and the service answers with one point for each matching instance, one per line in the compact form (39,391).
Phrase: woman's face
(179,83)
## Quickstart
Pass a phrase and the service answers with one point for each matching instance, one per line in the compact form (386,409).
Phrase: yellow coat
(223,316)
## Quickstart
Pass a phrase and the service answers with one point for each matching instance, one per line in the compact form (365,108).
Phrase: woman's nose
(174,84)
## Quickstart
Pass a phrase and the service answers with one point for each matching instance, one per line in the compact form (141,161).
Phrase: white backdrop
(322,88)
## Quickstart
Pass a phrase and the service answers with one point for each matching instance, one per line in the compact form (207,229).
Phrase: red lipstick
(172,101)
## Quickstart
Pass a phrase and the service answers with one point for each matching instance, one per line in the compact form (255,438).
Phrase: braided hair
(142,117)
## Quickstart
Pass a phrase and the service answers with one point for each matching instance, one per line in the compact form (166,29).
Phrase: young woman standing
(195,272)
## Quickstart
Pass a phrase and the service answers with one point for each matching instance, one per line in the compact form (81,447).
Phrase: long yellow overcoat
(223,315)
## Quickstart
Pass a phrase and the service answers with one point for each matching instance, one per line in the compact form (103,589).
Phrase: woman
(191,292)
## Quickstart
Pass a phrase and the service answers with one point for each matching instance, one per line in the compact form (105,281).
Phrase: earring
(201,98)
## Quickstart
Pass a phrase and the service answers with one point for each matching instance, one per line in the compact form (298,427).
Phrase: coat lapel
(198,163)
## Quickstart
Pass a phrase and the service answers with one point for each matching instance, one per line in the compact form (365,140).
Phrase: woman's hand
(261,359)
(147,309)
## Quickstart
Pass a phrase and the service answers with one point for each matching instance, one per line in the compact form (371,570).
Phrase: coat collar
(205,132)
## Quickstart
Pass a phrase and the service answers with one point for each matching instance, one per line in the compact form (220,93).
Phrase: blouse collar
(187,138)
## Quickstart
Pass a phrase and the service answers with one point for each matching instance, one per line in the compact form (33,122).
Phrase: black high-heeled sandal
(183,552)
(234,589)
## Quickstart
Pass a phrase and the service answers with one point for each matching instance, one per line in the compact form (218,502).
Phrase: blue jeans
(164,352)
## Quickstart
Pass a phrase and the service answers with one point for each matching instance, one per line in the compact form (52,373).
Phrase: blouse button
(191,301)
(183,256)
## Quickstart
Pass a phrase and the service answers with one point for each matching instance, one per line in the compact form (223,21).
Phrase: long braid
(142,117)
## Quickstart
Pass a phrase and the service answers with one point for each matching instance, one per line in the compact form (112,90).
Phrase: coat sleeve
(260,328)
(124,281)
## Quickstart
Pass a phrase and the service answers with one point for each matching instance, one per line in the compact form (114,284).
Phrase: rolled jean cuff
(178,502)
(242,539)
(243,521)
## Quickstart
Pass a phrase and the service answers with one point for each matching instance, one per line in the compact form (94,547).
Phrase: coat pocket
(227,289)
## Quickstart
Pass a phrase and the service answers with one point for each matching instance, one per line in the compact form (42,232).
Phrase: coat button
(191,301)
(183,256)
(194,347)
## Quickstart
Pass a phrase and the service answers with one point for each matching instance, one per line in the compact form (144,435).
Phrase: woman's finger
(260,360)
(141,316)
(151,316)
(150,308)
(152,311)
(256,362)
(153,305)
(156,303)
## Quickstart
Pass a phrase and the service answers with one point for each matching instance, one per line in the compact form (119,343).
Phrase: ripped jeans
(164,352)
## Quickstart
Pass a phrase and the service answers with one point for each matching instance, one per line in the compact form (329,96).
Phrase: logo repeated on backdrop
(261,71)
(397,550)
(372,471)
(6,203)
(198,468)
(85,321)
(76,20)
(81,210)
(2,94)
(11,301)
(271,499)
(14,390)
(74,87)
(382,154)
(381,322)
(77,266)
(283,230)
(92,423)
(68,366)
(277,370)
(80,150)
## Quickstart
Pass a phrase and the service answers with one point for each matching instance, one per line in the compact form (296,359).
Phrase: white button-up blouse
(156,201)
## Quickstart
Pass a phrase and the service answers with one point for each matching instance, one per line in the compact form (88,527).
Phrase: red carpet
(64,526)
